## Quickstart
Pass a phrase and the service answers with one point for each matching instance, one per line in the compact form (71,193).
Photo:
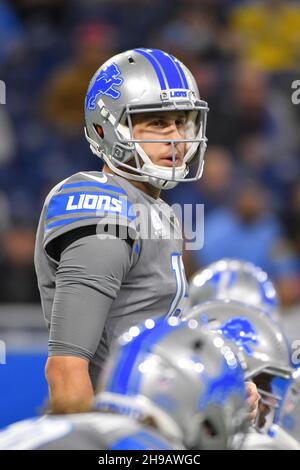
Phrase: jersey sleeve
(88,279)
(85,199)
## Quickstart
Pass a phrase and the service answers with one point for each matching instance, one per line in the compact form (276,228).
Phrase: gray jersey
(84,431)
(99,288)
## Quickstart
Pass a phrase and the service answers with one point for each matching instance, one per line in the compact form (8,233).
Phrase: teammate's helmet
(258,342)
(234,279)
(289,418)
(193,388)
(143,81)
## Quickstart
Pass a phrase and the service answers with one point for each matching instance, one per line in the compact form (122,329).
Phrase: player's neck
(145,187)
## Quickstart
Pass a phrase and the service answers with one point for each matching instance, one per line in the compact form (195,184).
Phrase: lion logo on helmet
(104,84)
(241,331)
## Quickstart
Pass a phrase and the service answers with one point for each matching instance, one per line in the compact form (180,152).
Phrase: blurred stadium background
(245,56)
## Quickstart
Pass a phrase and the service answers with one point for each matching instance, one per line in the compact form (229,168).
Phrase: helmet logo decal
(104,84)
(219,388)
(241,331)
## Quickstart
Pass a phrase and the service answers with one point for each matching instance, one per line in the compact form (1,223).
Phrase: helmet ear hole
(99,130)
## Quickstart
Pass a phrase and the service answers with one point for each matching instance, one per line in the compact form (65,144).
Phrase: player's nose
(175,132)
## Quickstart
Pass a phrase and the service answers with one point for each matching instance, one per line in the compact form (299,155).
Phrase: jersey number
(177,267)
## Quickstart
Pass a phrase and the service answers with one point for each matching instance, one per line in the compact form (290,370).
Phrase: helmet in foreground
(191,386)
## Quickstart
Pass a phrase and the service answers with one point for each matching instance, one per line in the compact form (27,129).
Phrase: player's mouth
(168,161)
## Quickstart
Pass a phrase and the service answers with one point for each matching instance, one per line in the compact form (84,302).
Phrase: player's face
(161,125)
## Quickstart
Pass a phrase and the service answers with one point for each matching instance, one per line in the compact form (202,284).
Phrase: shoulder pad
(84,199)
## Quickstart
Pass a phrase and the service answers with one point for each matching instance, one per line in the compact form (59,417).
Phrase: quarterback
(108,249)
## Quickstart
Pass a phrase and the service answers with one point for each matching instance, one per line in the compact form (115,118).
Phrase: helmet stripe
(180,69)
(156,67)
(170,69)
(127,358)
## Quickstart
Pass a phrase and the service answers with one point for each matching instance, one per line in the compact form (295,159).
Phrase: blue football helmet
(258,342)
(234,279)
(175,373)
(144,81)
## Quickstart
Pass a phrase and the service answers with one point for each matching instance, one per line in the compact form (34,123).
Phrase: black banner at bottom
(132,459)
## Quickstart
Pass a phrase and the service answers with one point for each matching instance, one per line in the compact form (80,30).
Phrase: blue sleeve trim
(116,189)
(58,223)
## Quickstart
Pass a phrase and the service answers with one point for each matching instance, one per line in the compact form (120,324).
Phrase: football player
(108,249)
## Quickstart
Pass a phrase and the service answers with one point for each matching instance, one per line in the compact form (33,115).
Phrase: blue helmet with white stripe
(144,81)
(185,380)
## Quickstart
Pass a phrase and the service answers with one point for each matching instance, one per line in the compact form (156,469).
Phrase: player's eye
(158,123)
(180,122)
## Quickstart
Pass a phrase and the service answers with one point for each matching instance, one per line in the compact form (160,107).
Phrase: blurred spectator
(212,189)
(218,177)
(39,10)
(267,33)
(192,30)
(247,229)
(17,275)
(261,160)
(7,138)
(250,107)
(65,91)
(291,217)
(11,32)
(136,19)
